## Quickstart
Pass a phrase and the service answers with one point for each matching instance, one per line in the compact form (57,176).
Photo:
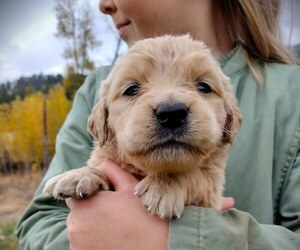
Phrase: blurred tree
(72,82)
(117,51)
(58,107)
(46,153)
(24,140)
(27,85)
(4,92)
(75,24)
(4,130)
(28,128)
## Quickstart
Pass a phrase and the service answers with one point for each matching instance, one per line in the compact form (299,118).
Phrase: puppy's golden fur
(180,164)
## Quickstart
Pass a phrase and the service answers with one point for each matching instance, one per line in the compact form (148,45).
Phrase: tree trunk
(117,51)
(45,135)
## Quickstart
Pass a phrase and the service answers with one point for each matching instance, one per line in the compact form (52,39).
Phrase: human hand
(115,220)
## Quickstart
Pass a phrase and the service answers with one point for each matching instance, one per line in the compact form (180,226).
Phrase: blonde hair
(255,24)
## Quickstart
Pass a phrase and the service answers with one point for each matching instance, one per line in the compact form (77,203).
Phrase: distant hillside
(24,85)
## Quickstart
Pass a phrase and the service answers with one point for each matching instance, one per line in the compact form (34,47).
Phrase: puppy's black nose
(171,115)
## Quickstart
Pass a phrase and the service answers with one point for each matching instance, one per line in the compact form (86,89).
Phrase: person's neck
(218,43)
(220,48)
(214,34)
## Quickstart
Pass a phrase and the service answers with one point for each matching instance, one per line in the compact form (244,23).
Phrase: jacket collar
(234,61)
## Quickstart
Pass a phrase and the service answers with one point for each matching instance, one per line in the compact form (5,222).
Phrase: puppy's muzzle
(171,118)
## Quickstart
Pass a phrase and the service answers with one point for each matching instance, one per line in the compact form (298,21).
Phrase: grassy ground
(16,191)
(8,240)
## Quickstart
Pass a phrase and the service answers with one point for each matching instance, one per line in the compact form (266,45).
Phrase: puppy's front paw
(77,183)
(162,196)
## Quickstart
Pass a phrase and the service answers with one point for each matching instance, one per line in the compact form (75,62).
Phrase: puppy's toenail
(63,195)
(83,195)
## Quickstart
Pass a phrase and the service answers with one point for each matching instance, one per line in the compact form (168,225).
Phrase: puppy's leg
(77,183)
(162,195)
(166,194)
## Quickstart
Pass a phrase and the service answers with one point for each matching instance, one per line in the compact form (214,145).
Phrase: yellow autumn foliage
(58,107)
(22,129)
(24,140)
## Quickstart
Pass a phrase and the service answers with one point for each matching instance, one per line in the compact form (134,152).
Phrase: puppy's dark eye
(132,90)
(203,87)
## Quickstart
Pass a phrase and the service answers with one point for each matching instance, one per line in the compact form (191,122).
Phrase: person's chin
(130,40)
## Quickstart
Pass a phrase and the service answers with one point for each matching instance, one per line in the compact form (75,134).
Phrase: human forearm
(43,226)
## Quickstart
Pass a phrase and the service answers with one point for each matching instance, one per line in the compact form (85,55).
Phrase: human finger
(118,177)
(227,203)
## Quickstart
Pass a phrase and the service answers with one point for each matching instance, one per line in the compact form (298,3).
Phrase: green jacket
(263,172)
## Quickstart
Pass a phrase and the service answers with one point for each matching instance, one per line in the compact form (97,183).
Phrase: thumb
(118,177)
(227,203)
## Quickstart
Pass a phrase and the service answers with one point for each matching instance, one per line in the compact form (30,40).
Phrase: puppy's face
(166,106)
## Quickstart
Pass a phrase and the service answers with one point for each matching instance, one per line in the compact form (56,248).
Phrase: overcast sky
(28,44)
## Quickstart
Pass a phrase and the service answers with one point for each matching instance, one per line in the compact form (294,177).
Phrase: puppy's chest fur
(104,153)
(166,194)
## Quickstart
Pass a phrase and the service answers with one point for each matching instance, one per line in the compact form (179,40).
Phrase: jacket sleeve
(43,225)
(204,228)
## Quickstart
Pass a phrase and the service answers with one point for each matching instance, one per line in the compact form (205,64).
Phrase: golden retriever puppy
(166,114)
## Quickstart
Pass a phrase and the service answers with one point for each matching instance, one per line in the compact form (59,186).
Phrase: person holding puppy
(263,171)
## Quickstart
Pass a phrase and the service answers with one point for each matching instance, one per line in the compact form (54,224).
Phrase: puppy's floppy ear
(97,122)
(234,118)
